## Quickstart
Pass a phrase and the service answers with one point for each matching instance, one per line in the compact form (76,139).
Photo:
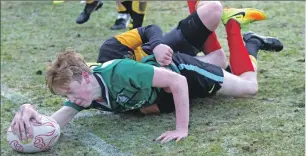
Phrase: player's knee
(222,57)
(210,14)
(216,6)
(253,89)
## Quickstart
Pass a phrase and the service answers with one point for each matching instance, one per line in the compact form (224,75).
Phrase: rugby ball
(45,135)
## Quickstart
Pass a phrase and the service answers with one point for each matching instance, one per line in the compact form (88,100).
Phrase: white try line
(80,133)
(91,140)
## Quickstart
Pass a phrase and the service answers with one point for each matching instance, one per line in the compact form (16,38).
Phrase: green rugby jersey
(126,85)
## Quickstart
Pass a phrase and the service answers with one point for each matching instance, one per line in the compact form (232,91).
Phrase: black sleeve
(151,34)
(119,46)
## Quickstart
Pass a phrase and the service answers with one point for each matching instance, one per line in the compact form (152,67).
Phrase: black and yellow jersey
(131,44)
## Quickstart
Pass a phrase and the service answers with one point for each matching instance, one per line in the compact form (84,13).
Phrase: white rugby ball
(45,135)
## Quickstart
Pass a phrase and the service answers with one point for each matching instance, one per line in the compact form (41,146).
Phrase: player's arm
(178,86)
(144,76)
(64,115)
(151,34)
(119,46)
(136,37)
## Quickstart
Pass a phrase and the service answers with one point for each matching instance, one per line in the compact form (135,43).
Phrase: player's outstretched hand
(21,122)
(172,135)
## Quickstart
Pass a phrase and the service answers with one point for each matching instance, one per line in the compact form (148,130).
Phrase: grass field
(272,123)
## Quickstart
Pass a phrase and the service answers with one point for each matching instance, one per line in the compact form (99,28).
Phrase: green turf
(271,123)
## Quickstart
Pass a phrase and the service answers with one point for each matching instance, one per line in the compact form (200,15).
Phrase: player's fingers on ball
(15,128)
(37,117)
(17,125)
(28,130)
(18,130)
(36,120)
(18,117)
(14,119)
(12,126)
(24,136)
(22,131)
(13,122)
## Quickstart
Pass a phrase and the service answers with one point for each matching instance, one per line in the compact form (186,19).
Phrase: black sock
(253,46)
(137,19)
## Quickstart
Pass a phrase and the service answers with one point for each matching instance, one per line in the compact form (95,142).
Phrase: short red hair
(68,66)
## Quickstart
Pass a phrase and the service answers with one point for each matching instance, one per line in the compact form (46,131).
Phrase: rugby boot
(89,8)
(121,22)
(243,16)
(268,43)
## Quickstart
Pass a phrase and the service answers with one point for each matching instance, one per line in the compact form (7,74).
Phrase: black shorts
(194,31)
(165,102)
(112,49)
(176,40)
(203,80)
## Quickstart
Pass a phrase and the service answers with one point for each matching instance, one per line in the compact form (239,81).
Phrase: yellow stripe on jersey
(130,39)
(139,7)
(120,6)
(139,54)
(89,1)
